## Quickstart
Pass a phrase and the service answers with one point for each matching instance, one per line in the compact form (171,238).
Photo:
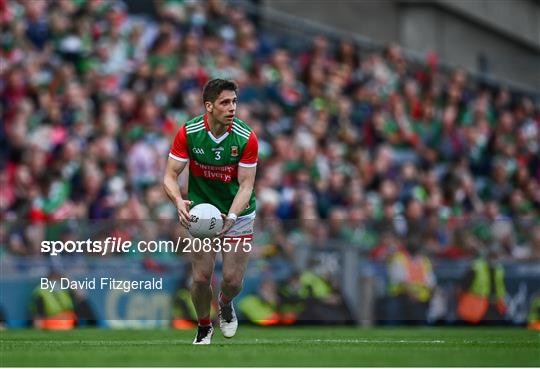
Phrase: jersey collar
(211,135)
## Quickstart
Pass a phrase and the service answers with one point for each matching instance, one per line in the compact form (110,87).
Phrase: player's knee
(202,278)
(233,280)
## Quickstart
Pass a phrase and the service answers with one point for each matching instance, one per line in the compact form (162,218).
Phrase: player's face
(224,108)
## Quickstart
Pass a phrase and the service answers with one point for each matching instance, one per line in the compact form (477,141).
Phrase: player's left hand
(227,225)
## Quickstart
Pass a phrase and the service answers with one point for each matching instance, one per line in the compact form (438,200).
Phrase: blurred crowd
(356,146)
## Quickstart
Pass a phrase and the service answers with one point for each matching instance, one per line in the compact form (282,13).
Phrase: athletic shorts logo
(198,150)
(234,150)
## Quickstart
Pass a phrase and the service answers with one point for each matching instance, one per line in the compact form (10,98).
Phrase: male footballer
(222,153)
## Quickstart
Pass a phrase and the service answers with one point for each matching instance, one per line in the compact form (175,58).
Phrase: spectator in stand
(92,96)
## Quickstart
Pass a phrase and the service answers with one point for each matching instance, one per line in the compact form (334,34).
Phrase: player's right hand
(183,212)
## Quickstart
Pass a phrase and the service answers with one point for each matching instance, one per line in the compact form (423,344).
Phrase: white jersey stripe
(196,130)
(199,122)
(241,129)
(195,126)
(240,134)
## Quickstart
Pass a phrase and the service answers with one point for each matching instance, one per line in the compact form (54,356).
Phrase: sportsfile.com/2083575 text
(116,245)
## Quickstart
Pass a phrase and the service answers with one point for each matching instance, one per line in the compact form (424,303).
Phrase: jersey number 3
(218,155)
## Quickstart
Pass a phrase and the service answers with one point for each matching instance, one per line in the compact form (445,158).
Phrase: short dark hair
(214,87)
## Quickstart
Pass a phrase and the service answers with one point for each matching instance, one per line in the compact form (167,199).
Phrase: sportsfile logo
(119,245)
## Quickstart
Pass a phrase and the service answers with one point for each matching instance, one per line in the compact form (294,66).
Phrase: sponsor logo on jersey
(223,173)
(217,148)
(198,150)
(234,150)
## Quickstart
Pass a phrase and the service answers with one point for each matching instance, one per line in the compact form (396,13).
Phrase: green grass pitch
(291,346)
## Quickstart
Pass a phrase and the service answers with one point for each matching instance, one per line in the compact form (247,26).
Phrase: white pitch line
(258,341)
(250,342)
(360,341)
(380,341)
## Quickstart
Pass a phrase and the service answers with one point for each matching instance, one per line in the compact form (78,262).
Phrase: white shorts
(243,227)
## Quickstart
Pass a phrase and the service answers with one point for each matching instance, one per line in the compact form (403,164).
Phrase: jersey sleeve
(179,150)
(250,154)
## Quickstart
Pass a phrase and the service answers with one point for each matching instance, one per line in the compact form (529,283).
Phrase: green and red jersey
(214,162)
